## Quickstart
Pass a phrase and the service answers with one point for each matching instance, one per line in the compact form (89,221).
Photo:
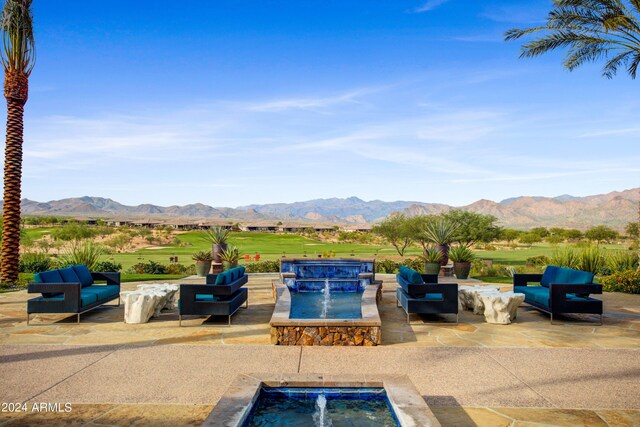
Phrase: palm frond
(16,24)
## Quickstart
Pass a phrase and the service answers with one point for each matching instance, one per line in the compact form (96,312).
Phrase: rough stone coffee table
(501,307)
(147,302)
(469,297)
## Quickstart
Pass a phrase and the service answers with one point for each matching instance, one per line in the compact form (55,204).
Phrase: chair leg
(78,320)
(28,318)
(246,303)
(179,319)
(601,319)
(229,321)
(457,314)
(408,318)
(551,318)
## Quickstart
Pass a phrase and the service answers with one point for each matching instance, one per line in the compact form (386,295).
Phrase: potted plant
(461,257)
(441,233)
(431,258)
(203,262)
(230,257)
(218,237)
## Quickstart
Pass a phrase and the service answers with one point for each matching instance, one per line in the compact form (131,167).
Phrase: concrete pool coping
(235,405)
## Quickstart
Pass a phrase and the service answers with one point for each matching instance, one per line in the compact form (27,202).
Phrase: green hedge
(262,267)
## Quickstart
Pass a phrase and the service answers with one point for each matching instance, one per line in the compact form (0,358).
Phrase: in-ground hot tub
(326,302)
(321,400)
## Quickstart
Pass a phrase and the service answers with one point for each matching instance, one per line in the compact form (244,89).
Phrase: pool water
(339,305)
(322,407)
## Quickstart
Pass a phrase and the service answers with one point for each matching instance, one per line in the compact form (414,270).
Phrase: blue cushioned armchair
(222,295)
(560,290)
(72,290)
(422,294)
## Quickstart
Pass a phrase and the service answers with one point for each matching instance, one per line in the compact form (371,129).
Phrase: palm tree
(18,57)
(593,30)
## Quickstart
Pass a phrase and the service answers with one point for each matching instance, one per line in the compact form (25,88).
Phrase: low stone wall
(330,335)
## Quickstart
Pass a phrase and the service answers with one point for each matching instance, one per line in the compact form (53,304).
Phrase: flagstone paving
(473,373)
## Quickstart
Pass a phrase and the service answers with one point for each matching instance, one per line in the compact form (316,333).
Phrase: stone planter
(226,265)
(444,250)
(216,267)
(217,249)
(432,268)
(202,268)
(462,269)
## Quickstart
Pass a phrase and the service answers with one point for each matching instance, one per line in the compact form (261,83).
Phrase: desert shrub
(34,262)
(416,264)
(108,266)
(489,247)
(479,268)
(624,281)
(386,266)
(567,257)
(262,267)
(176,268)
(592,259)
(622,261)
(85,252)
(73,231)
(538,260)
(149,267)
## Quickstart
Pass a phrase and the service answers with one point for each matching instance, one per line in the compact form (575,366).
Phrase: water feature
(321,407)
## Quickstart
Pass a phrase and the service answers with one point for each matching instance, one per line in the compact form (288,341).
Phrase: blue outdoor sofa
(560,290)
(71,290)
(422,294)
(222,295)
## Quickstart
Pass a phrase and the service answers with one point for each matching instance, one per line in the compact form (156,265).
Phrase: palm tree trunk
(12,182)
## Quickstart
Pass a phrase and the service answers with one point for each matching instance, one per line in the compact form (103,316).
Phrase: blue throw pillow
(221,279)
(83,274)
(415,278)
(242,270)
(36,278)
(573,277)
(404,272)
(549,275)
(69,275)
(51,276)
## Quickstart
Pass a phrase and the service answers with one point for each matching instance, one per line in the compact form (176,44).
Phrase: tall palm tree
(18,57)
(593,30)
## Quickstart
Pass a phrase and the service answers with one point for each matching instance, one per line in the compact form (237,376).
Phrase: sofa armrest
(524,279)
(71,291)
(560,290)
(430,278)
(112,277)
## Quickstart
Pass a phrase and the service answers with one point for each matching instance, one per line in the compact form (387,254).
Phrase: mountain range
(615,209)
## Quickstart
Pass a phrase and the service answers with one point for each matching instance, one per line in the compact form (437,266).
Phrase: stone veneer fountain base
(328,332)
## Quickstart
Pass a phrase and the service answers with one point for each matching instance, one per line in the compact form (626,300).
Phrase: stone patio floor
(473,373)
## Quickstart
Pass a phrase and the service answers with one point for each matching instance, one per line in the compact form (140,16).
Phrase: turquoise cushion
(549,275)
(36,278)
(403,271)
(205,297)
(432,297)
(51,276)
(101,291)
(414,277)
(573,277)
(69,275)
(242,270)
(538,294)
(85,299)
(221,279)
(83,274)
(233,275)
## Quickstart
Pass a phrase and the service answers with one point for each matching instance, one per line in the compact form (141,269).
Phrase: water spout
(327,299)
(320,416)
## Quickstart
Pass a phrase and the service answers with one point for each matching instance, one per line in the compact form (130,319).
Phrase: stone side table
(502,307)
(169,289)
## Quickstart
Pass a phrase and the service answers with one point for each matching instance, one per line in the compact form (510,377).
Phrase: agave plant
(231,254)
(432,256)
(461,254)
(622,261)
(202,256)
(441,232)
(217,235)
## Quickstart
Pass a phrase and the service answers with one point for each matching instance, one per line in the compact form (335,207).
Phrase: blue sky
(236,102)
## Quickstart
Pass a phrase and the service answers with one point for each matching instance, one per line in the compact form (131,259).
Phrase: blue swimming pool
(316,305)
(322,407)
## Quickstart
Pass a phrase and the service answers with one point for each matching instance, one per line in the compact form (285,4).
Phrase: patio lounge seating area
(560,290)
(422,294)
(72,290)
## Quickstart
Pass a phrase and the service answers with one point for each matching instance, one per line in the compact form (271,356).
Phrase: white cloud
(429,5)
